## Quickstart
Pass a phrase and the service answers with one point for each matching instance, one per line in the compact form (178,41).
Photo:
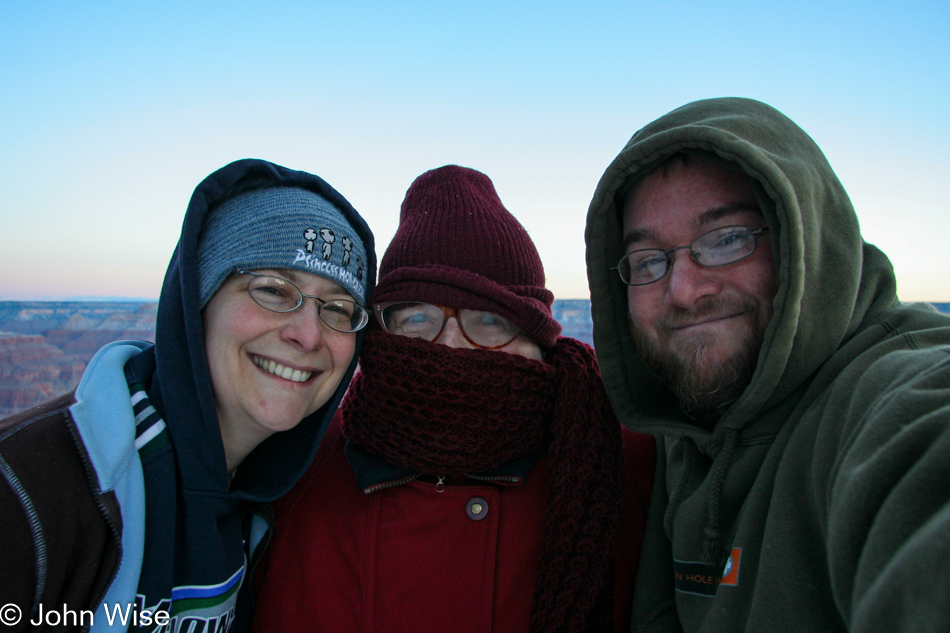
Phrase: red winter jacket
(407,558)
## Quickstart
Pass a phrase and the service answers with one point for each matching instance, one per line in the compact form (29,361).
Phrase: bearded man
(802,411)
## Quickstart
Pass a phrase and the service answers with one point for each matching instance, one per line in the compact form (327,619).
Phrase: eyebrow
(717,213)
(297,278)
(704,219)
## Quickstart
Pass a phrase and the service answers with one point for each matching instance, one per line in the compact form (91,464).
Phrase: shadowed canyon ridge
(45,345)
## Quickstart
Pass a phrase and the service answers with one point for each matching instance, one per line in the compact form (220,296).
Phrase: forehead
(687,197)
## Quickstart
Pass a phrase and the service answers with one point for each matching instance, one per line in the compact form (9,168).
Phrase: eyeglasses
(718,247)
(484,330)
(279,295)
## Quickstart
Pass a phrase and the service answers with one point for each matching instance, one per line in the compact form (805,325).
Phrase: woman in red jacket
(476,478)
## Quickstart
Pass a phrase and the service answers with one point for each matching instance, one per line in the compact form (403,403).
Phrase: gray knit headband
(280,227)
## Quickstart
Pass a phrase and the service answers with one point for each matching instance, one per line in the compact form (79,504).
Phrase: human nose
(452,335)
(303,328)
(689,282)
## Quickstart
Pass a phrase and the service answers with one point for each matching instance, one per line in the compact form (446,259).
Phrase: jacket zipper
(440,484)
(390,484)
(36,531)
(504,479)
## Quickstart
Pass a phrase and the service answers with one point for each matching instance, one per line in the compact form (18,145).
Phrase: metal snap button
(476,508)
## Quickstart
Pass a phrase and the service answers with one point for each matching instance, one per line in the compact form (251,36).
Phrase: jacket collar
(374,474)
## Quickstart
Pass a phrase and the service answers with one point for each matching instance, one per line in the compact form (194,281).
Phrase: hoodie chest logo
(702,579)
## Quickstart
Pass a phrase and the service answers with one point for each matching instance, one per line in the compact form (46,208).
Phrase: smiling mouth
(287,373)
(707,321)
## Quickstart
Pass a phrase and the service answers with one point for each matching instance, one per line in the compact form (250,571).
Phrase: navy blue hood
(183,385)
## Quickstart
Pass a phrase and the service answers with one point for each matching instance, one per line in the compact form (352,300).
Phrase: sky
(112,112)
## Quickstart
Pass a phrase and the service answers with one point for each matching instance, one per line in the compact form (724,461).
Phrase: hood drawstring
(688,447)
(712,546)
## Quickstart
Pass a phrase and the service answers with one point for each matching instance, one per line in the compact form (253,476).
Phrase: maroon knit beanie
(458,246)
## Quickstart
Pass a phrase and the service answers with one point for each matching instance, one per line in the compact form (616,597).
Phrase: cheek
(226,334)
(342,350)
(226,329)
(761,282)
(640,303)
(523,347)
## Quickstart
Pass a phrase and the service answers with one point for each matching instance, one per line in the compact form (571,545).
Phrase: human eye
(340,315)
(273,293)
(731,235)
(726,240)
(486,321)
(648,260)
(412,318)
(343,309)
(647,264)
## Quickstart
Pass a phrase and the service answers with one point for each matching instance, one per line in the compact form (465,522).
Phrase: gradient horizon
(113,113)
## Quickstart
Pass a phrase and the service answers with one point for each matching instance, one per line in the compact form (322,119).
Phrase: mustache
(716,307)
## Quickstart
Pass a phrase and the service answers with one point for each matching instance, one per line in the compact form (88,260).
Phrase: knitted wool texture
(457,245)
(280,227)
(437,410)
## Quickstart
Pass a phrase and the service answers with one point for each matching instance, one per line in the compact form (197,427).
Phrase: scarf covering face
(441,411)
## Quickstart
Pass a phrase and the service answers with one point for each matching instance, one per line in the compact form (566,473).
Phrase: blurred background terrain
(45,345)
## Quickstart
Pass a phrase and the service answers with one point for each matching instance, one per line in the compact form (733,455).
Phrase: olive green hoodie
(820,501)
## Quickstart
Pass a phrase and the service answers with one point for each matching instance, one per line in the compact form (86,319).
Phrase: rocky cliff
(33,371)
(44,346)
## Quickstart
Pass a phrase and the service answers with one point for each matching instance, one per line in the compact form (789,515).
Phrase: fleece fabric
(826,484)
(183,540)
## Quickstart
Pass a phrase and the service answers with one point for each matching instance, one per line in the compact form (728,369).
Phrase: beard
(704,384)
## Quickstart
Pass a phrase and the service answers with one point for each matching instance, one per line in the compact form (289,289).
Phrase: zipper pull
(440,485)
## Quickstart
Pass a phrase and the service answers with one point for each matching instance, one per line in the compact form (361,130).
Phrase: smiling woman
(272,369)
(258,319)
(258,329)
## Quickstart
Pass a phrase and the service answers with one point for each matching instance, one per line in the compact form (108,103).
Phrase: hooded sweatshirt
(157,475)
(820,499)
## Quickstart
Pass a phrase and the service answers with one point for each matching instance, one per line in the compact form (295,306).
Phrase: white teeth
(287,373)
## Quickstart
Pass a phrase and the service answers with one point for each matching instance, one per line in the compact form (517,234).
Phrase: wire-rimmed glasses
(280,295)
(725,245)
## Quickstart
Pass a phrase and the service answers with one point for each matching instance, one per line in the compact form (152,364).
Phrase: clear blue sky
(112,112)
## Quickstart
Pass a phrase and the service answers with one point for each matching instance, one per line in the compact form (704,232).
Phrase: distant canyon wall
(45,345)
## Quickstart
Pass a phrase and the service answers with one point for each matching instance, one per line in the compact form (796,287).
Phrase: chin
(280,421)
(704,371)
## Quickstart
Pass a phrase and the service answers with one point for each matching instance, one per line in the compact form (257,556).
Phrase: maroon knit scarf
(441,411)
